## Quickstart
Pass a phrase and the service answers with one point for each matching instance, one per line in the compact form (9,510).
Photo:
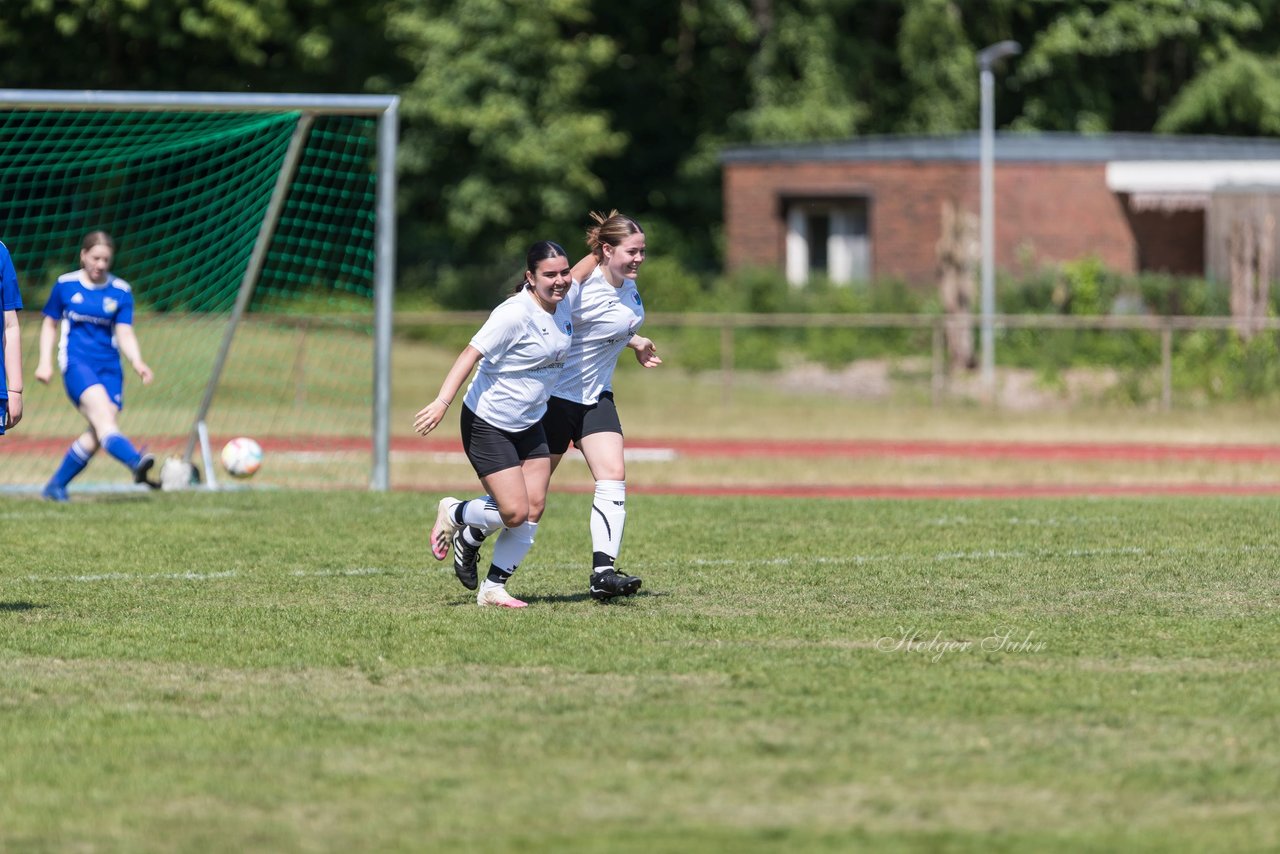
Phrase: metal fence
(728,324)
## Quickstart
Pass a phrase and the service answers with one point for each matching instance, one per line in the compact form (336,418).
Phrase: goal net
(257,235)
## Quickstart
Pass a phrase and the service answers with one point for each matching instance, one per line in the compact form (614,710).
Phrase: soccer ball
(242,457)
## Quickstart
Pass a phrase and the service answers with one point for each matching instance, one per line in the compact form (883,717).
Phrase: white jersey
(604,319)
(524,349)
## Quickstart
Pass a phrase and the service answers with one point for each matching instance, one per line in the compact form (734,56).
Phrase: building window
(829,238)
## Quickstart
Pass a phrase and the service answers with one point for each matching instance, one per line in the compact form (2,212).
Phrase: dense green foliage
(519,116)
(1207,365)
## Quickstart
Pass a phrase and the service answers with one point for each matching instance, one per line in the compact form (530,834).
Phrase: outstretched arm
(430,416)
(584,268)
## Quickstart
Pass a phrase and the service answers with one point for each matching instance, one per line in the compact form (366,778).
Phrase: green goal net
(250,233)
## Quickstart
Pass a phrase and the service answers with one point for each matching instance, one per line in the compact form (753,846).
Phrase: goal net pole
(250,280)
(384,288)
(383,109)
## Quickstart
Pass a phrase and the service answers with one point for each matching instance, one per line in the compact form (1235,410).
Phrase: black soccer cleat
(609,583)
(465,558)
(142,468)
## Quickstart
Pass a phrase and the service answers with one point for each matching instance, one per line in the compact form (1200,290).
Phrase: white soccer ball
(242,457)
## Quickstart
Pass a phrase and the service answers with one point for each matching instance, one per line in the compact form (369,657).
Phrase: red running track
(739,448)
(747,448)
(756,448)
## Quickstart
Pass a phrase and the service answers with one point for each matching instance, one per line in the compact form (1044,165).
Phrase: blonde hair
(610,231)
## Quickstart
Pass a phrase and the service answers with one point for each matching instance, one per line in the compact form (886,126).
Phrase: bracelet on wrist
(15,391)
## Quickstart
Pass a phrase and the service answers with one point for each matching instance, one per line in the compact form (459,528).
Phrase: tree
(496,143)
(203,45)
(800,77)
(1240,95)
(938,63)
(1115,66)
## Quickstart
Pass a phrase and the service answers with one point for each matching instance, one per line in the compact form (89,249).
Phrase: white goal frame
(386,110)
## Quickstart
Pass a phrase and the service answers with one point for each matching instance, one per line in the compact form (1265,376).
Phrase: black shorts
(567,420)
(491,449)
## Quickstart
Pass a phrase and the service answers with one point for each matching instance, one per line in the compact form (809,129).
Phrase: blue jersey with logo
(10,300)
(89,314)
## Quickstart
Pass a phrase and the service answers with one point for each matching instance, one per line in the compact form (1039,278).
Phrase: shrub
(665,285)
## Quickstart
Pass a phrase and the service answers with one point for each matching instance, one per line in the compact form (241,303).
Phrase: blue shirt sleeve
(53,308)
(10,297)
(10,300)
(124,314)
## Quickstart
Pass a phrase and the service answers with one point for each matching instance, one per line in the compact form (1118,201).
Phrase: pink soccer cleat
(442,531)
(496,594)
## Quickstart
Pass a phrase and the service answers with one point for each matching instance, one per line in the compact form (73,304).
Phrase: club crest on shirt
(568,328)
(635,296)
(109,305)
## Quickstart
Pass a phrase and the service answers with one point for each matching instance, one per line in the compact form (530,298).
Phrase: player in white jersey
(91,311)
(521,350)
(607,313)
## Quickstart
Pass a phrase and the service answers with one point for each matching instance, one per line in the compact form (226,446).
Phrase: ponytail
(610,231)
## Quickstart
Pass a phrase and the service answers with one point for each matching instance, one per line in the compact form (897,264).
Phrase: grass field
(287,671)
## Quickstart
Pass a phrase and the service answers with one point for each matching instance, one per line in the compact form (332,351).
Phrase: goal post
(258,232)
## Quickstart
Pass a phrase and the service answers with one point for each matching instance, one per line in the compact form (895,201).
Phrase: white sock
(608,516)
(480,513)
(511,547)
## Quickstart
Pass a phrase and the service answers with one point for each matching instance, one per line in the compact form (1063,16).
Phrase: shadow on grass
(19,606)
(582,597)
(131,497)
(554,598)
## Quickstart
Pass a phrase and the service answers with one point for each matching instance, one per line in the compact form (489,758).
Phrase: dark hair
(610,230)
(97,238)
(539,252)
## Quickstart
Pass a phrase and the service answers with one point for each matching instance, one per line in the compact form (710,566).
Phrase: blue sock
(72,464)
(122,449)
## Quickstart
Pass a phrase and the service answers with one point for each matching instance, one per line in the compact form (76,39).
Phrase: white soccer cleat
(442,531)
(497,595)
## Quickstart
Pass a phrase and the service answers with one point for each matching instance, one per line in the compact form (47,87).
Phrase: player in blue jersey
(10,345)
(90,313)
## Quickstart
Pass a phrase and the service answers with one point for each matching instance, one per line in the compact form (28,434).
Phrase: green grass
(286,672)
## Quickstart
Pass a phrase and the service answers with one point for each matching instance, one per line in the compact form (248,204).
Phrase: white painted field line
(129,576)
(642,455)
(991,554)
(455,457)
(948,521)
(787,561)
(328,573)
(206,576)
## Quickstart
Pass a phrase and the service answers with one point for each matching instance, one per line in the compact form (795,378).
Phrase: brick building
(872,207)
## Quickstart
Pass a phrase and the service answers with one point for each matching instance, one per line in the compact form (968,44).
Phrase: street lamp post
(987,58)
